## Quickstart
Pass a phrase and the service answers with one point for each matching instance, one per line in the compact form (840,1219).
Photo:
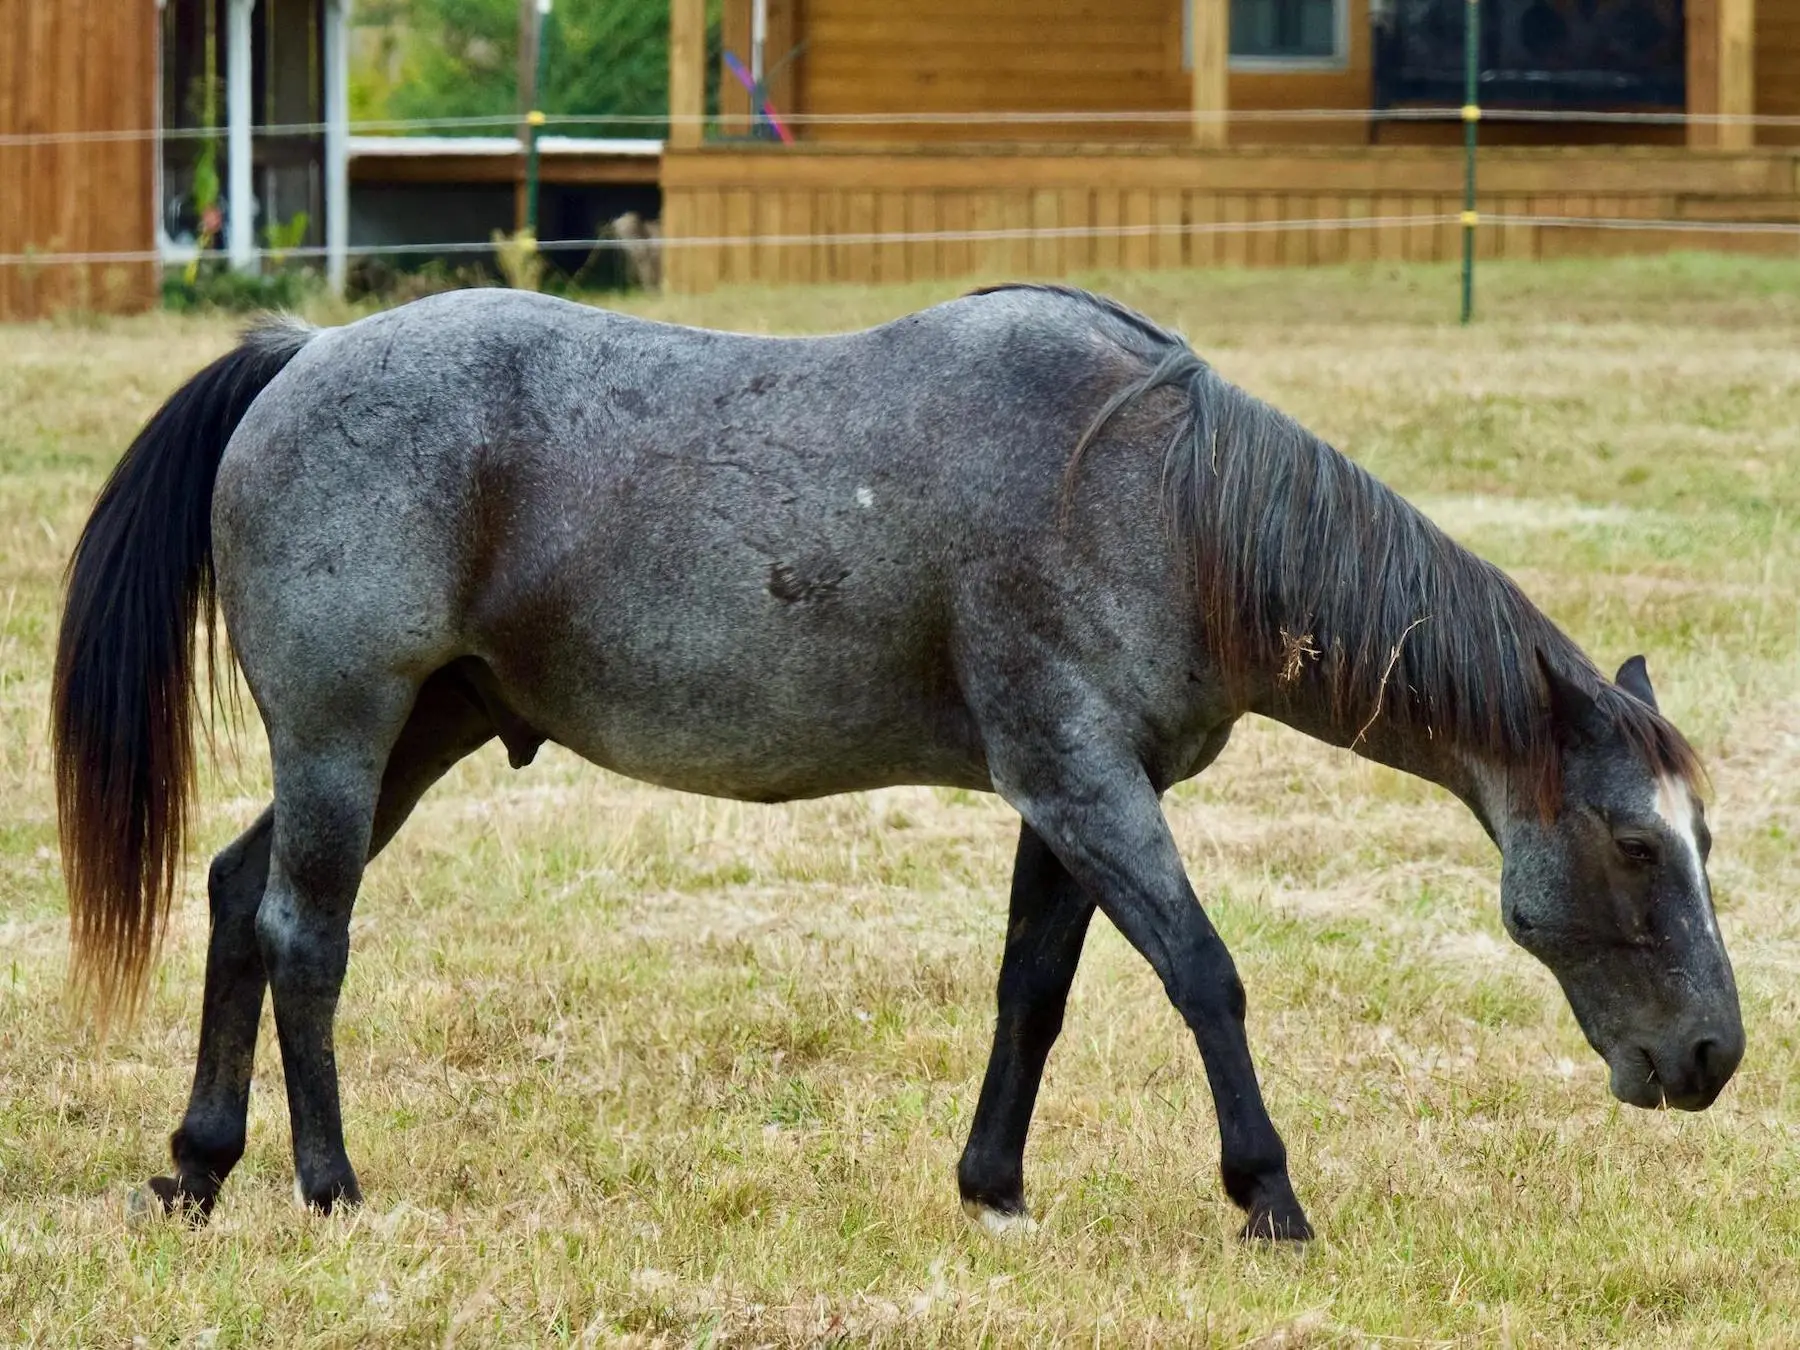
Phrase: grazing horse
(1026,542)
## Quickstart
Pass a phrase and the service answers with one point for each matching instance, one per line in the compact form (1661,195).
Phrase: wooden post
(1721,72)
(687,72)
(734,37)
(1211,36)
(1737,72)
(784,32)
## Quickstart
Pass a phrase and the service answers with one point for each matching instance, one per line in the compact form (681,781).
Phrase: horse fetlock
(204,1154)
(991,1183)
(1259,1183)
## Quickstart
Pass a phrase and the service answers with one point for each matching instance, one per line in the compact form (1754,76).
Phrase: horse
(1024,542)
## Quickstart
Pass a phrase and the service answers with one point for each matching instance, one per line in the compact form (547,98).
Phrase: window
(1278,33)
(1284,30)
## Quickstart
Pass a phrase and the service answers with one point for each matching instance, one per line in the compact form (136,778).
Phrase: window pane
(1284,28)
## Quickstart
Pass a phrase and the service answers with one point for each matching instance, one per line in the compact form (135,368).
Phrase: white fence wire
(1485,220)
(506,124)
(1023,118)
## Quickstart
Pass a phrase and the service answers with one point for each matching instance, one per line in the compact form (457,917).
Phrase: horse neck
(1337,607)
(1465,774)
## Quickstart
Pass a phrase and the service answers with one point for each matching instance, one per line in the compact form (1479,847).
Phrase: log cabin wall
(1778,68)
(1061,56)
(77,66)
(846,57)
(871,215)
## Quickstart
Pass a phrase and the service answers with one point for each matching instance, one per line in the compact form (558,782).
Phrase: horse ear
(1572,709)
(1634,679)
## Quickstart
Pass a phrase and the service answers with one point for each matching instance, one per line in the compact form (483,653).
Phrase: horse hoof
(1276,1226)
(999,1223)
(144,1205)
(160,1198)
(334,1198)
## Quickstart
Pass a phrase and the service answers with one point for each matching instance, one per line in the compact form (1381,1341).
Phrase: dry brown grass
(628,1068)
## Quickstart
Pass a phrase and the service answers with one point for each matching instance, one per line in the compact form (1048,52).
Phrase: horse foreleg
(211,1137)
(1101,817)
(1045,930)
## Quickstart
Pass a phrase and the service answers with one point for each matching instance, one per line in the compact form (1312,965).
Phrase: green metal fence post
(1471,115)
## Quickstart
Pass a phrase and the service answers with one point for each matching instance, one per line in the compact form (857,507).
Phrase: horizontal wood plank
(1138,207)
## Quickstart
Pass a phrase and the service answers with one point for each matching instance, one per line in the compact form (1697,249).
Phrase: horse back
(749,566)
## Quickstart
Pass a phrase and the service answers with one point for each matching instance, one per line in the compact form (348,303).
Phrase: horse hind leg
(210,1139)
(448,721)
(337,804)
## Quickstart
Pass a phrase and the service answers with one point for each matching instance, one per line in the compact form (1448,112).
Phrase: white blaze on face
(1674,805)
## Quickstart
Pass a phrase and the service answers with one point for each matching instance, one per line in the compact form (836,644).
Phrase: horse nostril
(1706,1054)
(1714,1059)
(1719,1056)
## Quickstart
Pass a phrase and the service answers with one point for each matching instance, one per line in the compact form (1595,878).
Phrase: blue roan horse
(1024,542)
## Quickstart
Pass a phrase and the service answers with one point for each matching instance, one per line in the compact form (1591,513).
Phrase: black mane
(1313,573)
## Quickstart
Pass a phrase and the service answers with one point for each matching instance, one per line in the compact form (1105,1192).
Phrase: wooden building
(939,138)
(76,66)
(106,150)
(951,137)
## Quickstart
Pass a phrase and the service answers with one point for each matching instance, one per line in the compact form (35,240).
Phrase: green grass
(623,1067)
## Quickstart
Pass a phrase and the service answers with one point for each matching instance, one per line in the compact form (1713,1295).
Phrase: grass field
(628,1068)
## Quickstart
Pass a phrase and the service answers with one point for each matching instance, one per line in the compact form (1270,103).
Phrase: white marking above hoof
(996,1224)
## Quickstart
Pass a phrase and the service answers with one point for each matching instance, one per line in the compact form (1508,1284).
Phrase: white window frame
(1338,60)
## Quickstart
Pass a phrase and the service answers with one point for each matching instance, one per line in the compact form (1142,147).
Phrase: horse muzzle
(1686,1073)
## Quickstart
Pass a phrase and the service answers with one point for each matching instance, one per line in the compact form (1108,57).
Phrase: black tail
(140,580)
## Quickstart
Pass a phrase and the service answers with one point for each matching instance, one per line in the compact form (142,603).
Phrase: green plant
(282,238)
(517,257)
(203,100)
(210,286)
(459,58)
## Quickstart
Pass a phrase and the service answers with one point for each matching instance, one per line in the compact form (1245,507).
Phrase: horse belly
(769,711)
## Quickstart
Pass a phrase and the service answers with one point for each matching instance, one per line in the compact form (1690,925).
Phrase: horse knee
(1206,988)
(1237,1002)
(1036,1026)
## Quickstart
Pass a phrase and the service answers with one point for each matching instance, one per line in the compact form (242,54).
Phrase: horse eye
(1639,851)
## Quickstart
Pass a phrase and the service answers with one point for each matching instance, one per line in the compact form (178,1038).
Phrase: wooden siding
(1148,207)
(77,65)
(1778,68)
(564,168)
(956,56)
